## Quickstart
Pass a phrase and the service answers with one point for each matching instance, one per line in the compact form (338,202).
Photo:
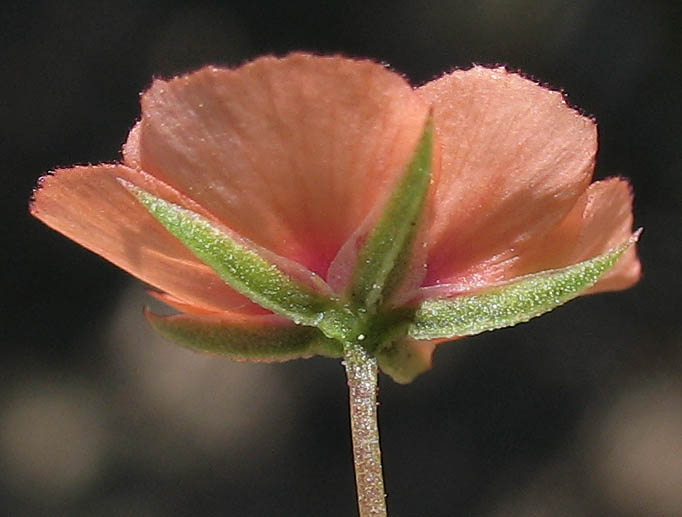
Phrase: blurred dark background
(577,413)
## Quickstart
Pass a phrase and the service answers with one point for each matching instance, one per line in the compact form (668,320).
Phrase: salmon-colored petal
(601,220)
(175,303)
(90,206)
(514,160)
(131,149)
(291,153)
(188,308)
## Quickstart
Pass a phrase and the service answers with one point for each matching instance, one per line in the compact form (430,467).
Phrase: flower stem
(361,370)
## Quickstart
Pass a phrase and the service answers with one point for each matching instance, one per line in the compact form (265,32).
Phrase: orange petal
(187,308)
(290,153)
(89,205)
(514,160)
(131,149)
(601,220)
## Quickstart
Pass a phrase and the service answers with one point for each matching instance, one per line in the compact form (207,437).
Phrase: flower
(295,158)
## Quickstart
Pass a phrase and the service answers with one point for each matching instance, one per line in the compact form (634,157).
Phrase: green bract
(388,249)
(329,323)
(513,302)
(245,340)
(245,270)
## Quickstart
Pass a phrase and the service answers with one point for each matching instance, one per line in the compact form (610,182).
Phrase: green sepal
(244,269)
(405,359)
(387,251)
(514,302)
(256,338)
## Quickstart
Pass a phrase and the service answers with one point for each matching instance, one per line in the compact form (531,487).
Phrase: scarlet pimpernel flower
(297,161)
(321,205)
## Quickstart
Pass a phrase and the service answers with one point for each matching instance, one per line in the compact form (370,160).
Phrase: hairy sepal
(245,338)
(511,303)
(405,359)
(246,270)
(386,254)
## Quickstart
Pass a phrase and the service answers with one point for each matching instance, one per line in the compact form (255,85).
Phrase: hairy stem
(361,370)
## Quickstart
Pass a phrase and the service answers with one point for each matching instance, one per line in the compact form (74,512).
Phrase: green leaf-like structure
(403,361)
(245,270)
(387,252)
(514,302)
(251,339)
